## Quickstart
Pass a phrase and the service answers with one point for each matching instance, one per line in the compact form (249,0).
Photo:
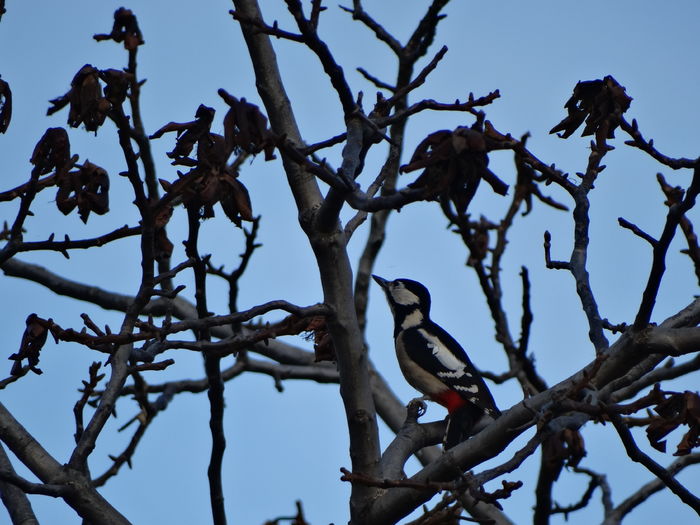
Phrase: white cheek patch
(403,297)
(442,354)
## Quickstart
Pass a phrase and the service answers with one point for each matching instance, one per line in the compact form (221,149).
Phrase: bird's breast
(417,376)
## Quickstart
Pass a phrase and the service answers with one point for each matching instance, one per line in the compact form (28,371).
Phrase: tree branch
(665,476)
(616,515)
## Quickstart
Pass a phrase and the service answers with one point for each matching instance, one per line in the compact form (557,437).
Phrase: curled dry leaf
(125,29)
(236,201)
(5,105)
(163,245)
(600,103)
(117,84)
(87,105)
(86,188)
(188,134)
(565,447)
(214,181)
(323,344)
(676,410)
(217,183)
(52,152)
(33,340)
(245,127)
(453,162)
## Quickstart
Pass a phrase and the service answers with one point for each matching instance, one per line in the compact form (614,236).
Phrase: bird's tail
(461,424)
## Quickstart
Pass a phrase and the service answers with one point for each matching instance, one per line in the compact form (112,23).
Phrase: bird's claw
(418,405)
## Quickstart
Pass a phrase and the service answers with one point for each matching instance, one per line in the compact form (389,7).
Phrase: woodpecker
(434,363)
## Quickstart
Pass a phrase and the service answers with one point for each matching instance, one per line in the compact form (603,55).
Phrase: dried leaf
(33,340)
(87,105)
(125,29)
(453,162)
(163,217)
(245,127)
(86,188)
(236,202)
(163,245)
(323,344)
(600,103)
(188,134)
(480,241)
(675,410)
(52,152)
(210,180)
(117,84)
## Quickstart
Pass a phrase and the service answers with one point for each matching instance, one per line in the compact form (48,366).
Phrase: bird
(435,364)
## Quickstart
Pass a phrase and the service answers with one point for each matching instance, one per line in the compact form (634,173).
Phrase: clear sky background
(283,447)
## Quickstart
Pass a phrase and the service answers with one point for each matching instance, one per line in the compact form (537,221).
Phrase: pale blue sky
(283,447)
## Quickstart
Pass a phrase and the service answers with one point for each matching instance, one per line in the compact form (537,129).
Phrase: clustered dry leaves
(212,180)
(87,104)
(86,188)
(600,103)
(453,163)
(674,410)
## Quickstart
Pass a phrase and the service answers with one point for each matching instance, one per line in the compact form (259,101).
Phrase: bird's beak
(381,282)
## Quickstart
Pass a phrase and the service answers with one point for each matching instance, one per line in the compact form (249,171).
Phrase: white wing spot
(472,389)
(455,374)
(443,354)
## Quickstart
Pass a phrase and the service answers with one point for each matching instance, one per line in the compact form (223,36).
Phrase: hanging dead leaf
(453,162)
(245,127)
(236,201)
(163,245)
(117,84)
(188,134)
(32,342)
(674,411)
(86,188)
(323,343)
(163,216)
(480,240)
(125,29)
(600,103)
(52,152)
(211,180)
(87,105)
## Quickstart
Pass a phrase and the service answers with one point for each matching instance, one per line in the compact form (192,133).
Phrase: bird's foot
(418,406)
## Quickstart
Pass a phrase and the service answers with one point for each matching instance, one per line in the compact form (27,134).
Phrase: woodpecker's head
(409,300)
